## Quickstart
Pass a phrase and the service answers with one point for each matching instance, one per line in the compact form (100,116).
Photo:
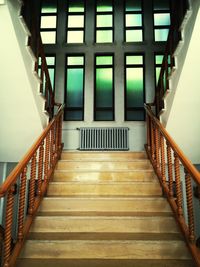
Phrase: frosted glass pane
(159,59)
(161,5)
(74,88)
(52,75)
(50,60)
(134,60)
(75,115)
(161,35)
(134,87)
(133,5)
(104,84)
(161,19)
(133,20)
(48,37)
(49,6)
(75,60)
(104,115)
(75,37)
(48,22)
(134,36)
(104,21)
(104,5)
(104,60)
(76,6)
(76,21)
(104,36)
(135,115)
(157,74)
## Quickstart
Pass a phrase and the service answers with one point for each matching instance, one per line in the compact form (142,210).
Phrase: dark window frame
(104,28)
(65,86)
(126,108)
(112,109)
(68,29)
(134,27)
(49,14)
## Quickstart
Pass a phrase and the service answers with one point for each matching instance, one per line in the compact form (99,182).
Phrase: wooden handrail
(168,159)
(40,160)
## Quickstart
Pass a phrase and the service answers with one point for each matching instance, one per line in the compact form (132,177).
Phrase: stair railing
(168,161)
(25,187)
(179,9)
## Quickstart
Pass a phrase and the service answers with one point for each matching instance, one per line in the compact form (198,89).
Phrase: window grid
(74,92)
(104,88)
(75,22)
(133,21)
(161,20)
(48,21)
(134,87)
(104,22)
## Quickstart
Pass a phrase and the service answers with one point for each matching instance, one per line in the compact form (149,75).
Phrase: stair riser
(104,176)
(64,189)
(103,166)
(103,156)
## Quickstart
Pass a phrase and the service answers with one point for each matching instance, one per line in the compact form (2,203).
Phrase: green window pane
(104,20)
(134,87)
(104,36)
(75,21)
(75,115)
(135,115)
(50,60)
(104,87)
(75,6)
(135,5)
(48,37)
(75,37)
(48,22)
(161,19)
(159,59)
(104,6)
(104,60)
(52,76)
(74,88)
(104,115)
(134,36)
(161,5)
(132,60)
(133,20)
(161,35)
(49,6)
(75,61)
(157,74)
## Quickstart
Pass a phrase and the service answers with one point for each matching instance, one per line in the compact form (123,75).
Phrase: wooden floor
(104,210)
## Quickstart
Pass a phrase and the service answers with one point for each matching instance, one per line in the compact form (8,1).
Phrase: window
(158,65)
(48,21)
(74,92)
(133,21)
(104,21)
(50,60)
(161,18)
(75,21)
(104,88)
(134,87)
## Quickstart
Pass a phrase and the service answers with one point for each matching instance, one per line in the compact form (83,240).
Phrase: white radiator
(115,138)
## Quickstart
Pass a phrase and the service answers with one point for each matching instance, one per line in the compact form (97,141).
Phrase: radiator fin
(115,138)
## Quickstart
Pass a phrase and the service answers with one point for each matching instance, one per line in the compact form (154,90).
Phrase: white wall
(21,122)
(184,119)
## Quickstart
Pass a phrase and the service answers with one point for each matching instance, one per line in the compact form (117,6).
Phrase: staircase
(104,210)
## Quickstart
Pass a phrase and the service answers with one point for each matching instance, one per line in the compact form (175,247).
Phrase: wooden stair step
(102,227)
(104,165)
(102,189)
(102,155)
(105,249)
(104,205)
(119,176)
